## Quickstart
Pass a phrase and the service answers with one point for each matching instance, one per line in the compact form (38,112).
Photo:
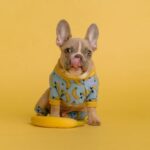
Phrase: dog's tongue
(76,63)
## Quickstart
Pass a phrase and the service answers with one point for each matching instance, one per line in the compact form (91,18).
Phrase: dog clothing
(72,92)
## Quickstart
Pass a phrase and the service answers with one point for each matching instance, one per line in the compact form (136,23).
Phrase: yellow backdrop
(28,54)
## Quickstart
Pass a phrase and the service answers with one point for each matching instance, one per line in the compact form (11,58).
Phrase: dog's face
(76,53)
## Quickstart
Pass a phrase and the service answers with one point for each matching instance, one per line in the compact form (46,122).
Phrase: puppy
(73,82)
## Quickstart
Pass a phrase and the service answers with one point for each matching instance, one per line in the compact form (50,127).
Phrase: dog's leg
(42,107)
(55,111)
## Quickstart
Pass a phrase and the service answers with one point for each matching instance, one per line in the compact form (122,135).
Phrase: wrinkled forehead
(77,44)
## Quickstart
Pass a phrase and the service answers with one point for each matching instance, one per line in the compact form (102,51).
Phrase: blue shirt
(73,91)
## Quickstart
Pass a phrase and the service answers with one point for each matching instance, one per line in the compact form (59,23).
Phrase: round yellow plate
(55,122)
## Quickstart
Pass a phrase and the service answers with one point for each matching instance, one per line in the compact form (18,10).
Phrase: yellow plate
(55,122)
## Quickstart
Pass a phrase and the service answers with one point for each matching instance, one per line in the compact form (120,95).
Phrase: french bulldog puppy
(73,83)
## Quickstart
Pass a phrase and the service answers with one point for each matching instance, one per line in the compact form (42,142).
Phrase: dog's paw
(93,120)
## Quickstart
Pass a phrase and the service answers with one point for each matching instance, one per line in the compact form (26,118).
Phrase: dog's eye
(89,53)
(68,50)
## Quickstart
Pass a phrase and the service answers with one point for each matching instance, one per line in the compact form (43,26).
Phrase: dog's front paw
(93,119)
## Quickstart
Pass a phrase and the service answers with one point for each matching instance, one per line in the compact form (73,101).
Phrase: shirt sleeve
(92,92)
(54,98)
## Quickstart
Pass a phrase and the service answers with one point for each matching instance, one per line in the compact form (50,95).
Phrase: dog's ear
(63,32)
(92,35)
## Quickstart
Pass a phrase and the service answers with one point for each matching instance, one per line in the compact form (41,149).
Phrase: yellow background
(28,53)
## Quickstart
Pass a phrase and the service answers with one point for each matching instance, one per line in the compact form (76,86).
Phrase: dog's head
(76,53)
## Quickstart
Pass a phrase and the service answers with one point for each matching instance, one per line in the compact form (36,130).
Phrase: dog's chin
(75,71)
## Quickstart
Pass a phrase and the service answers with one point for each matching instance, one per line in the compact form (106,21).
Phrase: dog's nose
(78,56)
